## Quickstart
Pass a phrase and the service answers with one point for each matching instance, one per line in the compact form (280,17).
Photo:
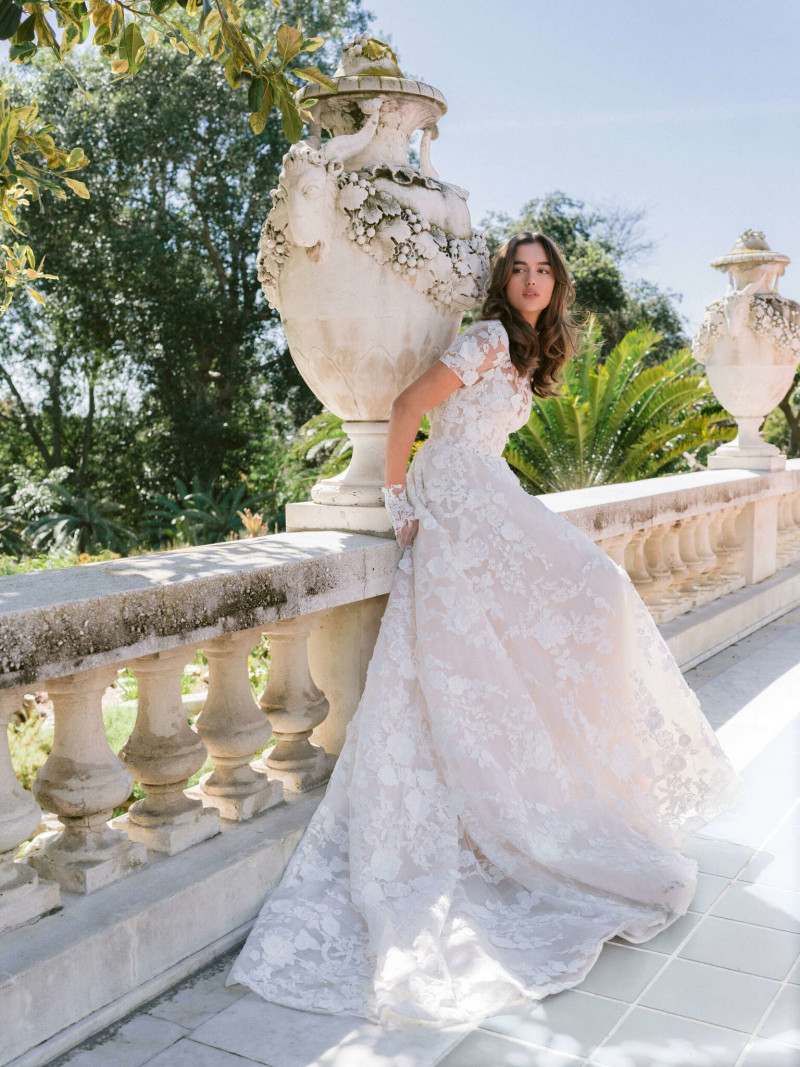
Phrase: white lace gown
(522,770)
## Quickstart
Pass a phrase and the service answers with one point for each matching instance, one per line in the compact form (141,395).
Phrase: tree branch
(27,419)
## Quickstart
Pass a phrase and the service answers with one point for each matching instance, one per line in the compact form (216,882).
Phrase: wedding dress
(522,770)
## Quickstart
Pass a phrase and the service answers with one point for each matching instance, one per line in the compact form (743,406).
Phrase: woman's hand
(404,521)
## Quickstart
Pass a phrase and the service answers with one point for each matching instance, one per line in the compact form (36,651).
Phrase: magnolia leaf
(255,95)
(44,31)
(232,71)
(216,44)
(25,31)
(46,143)
(77,187)
(290,119)
(311,44)
(119,66)
(151,38)
(314,74)
(191,40)
(102,35)
(259,120)
(158,7)
(10,17)
(9,127)
(289,41)
(179,46)
(22,53)
(76,159)
(36,296)
(117,21)
(101,13)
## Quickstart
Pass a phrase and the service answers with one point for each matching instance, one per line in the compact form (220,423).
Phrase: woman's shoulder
(487,331)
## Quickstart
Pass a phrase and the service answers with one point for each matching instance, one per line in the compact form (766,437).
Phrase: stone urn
(369,259)
(749,342)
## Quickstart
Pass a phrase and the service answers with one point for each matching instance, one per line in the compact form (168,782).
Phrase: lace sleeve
(479,348)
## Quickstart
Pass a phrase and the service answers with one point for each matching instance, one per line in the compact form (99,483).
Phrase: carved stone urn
(370,259)
(750,344)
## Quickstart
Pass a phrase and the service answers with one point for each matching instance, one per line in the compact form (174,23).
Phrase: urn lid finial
(750,249)
(366,56)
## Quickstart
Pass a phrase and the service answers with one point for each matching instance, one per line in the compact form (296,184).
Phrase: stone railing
(713,554)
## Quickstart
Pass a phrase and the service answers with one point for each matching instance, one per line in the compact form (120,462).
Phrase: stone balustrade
(713,554)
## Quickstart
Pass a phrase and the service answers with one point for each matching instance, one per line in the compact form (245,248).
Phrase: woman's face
(531,283)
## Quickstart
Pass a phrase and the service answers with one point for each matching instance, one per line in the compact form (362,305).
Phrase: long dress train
(522,770)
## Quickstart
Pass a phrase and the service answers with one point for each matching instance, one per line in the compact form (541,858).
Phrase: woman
(526,759)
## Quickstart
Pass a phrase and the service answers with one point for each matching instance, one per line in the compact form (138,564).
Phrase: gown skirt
(516,786)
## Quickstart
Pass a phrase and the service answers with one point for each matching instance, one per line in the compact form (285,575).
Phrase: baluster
(164,752)
(22,896)
(664,602)
(674,560)
(233,728)
(708,557)
(615,547)
(637,568)
(785,548)
(795,511)
(83,781)
(295,705)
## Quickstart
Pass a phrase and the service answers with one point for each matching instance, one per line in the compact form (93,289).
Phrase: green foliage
(617,420)
(200,516)
(256,54)
(82,523)
(598,244)
(30,743)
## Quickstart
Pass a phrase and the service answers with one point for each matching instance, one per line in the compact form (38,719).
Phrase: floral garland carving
(772,317)
(449,270)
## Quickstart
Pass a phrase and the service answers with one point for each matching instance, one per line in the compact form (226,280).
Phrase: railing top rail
(54,623)
(607,510)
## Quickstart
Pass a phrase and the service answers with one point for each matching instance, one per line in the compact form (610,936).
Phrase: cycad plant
(81,523)
(200,516)
(616,421)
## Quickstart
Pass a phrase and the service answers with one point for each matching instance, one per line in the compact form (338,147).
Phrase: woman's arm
(424,393)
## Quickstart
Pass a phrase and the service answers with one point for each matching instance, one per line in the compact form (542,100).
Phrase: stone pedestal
(163,752)
(233,728)
(22,896)
(82,782)
(307,515)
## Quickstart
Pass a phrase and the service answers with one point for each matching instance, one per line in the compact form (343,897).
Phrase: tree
(618,420)
(123,33)
(597,245)
(156,355)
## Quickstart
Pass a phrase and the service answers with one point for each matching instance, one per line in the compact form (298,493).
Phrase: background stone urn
(370,261)
(750,344)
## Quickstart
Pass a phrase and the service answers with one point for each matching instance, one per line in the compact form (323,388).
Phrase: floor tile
(653,1039)
(132,1044)
(709,887)
(668,940)
(199,997)
(718,857)
(766,1053)
(622,973)
(483,1049)
(711,994)
(783,1022)
(742,947)
(187,1053)
(787,839)
(778,869)
(762,905)
(571,1022)
(759,805)
(282,1037)
(739,830)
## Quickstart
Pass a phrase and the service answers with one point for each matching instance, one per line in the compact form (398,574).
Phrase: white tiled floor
(719,988)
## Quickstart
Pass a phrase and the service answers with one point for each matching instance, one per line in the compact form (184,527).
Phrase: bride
(526,761)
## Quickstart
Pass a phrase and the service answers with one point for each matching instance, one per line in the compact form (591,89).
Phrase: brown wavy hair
(538,352)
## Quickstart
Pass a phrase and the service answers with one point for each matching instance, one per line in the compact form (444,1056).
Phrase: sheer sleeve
(475,351)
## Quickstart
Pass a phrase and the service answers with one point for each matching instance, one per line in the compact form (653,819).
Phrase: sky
(689,110)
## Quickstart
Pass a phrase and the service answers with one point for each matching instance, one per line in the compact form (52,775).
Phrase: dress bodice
(495,402)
